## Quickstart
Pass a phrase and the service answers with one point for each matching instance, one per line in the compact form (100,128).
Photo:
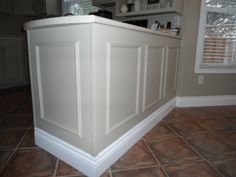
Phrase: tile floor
(189,142)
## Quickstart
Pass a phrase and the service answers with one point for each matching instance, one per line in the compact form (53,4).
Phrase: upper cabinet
(148,7)
(6,6)
(103,2)
(30,7)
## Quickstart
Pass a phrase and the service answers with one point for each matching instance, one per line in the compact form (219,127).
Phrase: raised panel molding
(136,49)
(157,98)
(167,92)
(74,120)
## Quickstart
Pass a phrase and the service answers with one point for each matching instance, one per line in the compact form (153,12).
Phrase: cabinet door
(13,61)
(6,6)
(24,7)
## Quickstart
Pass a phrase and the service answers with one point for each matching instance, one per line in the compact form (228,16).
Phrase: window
(216,49)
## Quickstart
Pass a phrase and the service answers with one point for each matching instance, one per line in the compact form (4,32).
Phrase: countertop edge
(73,20)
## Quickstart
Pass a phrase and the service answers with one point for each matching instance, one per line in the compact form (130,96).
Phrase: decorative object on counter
(155,26)
(168,25)
(73,7)
(136,5)
(124,8)
(130,5)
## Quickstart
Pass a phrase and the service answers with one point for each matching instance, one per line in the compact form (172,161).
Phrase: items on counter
(157,26)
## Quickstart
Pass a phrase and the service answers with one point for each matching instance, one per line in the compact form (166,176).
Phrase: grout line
(218,171)
(164,171)
(13,152)
(191,146)
(135,168)
(110,173)
(55,169)
(28,148)
(154,156)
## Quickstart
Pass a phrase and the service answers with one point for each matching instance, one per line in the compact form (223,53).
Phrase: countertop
(74,20)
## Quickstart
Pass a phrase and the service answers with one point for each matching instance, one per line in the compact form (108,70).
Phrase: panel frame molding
(109,46)
(166,68)
(76,46)
(144,107)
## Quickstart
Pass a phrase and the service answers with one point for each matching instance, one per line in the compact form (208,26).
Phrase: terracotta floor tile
(4,155)
(230,138)
(211,145)
(10,138)
(213,124)
(231,121)
(198,112)
(24,109)
(28,140)
(192,170)
(16,122)
(66,170)
(30,163)
(222,110)
(176,114)
(138,156)
(160,130)
(226,166)
(172,150)
(187,127)
(146,172)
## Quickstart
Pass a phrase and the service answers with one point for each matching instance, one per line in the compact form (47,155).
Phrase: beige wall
(214,84)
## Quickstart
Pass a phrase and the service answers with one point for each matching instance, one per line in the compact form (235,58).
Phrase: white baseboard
(95,166)
(199,101)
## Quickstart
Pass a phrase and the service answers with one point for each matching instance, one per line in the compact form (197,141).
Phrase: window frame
(200,43)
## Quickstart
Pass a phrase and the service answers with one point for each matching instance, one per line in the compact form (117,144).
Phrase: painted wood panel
(172,56)
(153,71)
(122,84)
(59,84)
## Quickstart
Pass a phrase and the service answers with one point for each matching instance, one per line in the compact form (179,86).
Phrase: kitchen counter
(98,86)
(73,20)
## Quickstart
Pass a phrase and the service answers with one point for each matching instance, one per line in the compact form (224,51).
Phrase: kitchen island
(98,86)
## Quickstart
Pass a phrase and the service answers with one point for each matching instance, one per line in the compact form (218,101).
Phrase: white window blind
(216,52)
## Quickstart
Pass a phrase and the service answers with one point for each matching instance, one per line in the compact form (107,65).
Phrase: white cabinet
(13,62)
(162,7)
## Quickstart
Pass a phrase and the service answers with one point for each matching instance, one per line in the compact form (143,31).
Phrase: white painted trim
(199,101)
(95,166)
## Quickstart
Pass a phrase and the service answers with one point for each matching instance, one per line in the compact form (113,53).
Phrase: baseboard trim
(95,166)
(200,101)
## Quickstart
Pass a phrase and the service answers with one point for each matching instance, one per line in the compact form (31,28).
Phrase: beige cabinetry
(30,7)
(94,80)
(13,62)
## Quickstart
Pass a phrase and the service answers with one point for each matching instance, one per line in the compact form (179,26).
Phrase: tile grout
(13,151)
(55,168)
(201,156)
